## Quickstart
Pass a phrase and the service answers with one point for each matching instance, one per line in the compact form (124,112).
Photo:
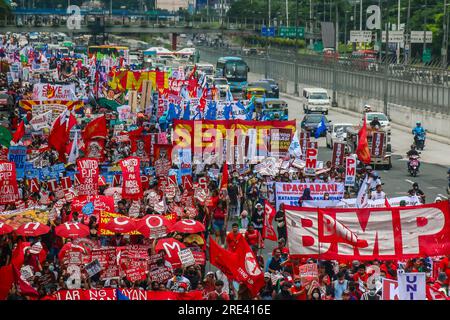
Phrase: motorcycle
(419,141)
(413,165)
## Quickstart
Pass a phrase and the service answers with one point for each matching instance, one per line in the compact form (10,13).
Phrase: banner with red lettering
(289,193)
(390,233)
(132,184)
(132,294)
(377,144)
(87,177)
(9,192)
(350,171)
(338,154)
(311,161)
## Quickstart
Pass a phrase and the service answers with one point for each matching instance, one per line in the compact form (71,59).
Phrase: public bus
(235,70)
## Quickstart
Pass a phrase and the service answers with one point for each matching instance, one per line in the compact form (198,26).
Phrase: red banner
(377,144)
(269,213)
(88,177)
(9,192)
(338,154)
(106,256)
(391,233)
(132,294)
(132,184)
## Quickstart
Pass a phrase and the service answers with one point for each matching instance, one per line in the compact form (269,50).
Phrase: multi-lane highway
(432,178)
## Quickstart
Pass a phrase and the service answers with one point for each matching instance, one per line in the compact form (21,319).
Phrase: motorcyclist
(418,132)
(410,153)
(415,191)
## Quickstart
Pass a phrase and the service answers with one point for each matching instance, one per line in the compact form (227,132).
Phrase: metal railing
(412,91)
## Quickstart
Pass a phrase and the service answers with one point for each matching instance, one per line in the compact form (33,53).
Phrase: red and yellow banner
(133,80)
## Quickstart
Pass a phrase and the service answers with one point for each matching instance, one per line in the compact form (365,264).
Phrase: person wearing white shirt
(378,193)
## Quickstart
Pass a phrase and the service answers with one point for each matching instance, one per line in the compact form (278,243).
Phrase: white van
(316,100)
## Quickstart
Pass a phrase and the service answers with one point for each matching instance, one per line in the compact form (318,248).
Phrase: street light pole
(445,37)
(360,14)
(296,52)
(408,34)
(398,29)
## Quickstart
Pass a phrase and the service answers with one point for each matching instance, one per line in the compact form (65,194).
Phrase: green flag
(5,137)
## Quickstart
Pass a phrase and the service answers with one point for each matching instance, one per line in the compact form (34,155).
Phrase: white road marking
(409,181)
(441,195)
(432,188)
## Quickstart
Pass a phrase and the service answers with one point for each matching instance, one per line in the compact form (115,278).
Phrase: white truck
(316,100)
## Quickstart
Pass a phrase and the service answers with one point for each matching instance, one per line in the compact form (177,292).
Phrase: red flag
(20,132)
(331,230)
(7,280)
(226,261)
(269,213)
(133,136)
(24,287)
(386,202)
(58,137)
(192,73)
(249,271)
(363,151)
(224,181)
(71,122)
(96,129)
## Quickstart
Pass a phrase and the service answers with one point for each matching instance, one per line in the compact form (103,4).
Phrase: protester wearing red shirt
(360,275)
(297,290)
(218,293)
(233,238)
(253,236)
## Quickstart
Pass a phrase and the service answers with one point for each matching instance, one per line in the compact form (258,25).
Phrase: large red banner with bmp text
(132,294)
(386,233)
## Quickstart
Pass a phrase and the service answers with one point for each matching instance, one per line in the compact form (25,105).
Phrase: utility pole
(360,14)
(425,28)
(337,26)
(408,34)
(296,52)
(398,29)
(345,31)
(310,23)
(287,13)
(386,68)
(445,37)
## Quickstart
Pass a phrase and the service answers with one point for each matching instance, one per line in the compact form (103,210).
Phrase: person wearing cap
(438,199)
(378,194)
(209,282)
(244,220)
(298,290)
(258,217)
(267,292)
